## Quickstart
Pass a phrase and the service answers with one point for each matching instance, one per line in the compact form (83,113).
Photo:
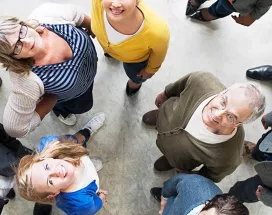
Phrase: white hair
(255,98)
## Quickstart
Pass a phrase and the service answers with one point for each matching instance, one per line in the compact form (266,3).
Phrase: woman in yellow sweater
(131,32)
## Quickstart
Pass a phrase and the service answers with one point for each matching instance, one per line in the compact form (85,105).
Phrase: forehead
(13,34)
(38,173)
(238,102)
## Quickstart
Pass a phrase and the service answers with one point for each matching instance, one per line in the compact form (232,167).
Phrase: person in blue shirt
(61,172)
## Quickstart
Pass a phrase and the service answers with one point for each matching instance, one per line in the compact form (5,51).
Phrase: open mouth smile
(116,11)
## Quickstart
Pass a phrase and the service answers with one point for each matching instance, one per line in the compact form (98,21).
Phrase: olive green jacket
(182,150)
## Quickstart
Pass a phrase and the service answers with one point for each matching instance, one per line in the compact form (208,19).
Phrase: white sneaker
(69,120)
(96,122)
(97,162)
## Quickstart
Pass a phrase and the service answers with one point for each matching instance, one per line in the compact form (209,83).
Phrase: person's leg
(65,111)
(256,154)
(132,70)
(94,124)
(219,9)
(245,191)
(42,209)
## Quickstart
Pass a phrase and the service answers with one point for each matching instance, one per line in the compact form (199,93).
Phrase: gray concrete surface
(127,147)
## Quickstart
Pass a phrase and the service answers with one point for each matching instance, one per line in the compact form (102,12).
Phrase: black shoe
(1,82)
(156,193)
(131,91)
(42,209)
(191,9)
(11,194)
(198,16)
(107,55)
(260,73)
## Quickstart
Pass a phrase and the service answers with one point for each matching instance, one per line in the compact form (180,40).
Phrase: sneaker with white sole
(69,120)
(97,162)
(96,122)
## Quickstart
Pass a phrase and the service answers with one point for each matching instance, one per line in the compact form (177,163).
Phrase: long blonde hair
(66,150)
(9,26)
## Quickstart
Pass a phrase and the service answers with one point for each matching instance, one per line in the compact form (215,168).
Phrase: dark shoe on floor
(198,16)
(162,164)
(42,209)
(150,118)
(132,91)
(1,82)
(191,9)
(11,194)
(107,55)
(156,193)
(260,73)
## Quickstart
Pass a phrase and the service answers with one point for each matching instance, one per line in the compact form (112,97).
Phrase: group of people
(52,63)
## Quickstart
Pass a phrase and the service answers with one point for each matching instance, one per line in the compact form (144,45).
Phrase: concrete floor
(127,147)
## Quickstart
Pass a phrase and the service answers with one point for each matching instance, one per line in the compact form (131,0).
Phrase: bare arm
(87,25)
(46,105)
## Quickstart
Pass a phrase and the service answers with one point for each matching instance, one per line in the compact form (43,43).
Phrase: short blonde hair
(8,26)
(66,150)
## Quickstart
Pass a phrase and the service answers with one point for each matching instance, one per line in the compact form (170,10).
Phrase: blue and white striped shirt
(72,78)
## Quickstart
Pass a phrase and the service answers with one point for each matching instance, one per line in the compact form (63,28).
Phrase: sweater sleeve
(261,7)
(20,117)
(53,13)
(158,50)
(174,89)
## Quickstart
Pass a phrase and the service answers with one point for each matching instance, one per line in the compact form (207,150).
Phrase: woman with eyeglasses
(52,63)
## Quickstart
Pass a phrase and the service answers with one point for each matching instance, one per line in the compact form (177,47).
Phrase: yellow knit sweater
(150,43)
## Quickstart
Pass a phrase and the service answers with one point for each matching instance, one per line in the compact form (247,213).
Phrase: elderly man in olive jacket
(199,123)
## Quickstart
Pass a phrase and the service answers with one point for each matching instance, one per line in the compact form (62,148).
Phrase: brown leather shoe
(162,164)
(150,118)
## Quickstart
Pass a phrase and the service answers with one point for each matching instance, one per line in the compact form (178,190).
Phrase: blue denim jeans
(133,69)
(185,192)
(219,9)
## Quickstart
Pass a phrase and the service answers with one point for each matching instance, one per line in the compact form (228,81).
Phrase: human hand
(103,195)
(258,192)
(144,75)
(161,98)
(263,121)
(244,20)
(163,204)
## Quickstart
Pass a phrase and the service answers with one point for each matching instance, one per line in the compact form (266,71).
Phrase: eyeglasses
(19,44)
(231,118)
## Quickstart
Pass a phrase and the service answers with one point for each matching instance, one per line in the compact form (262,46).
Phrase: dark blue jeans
(133,69)
(220,8)
(77,105)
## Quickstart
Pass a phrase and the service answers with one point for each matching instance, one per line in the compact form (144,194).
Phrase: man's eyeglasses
(19,45)
(231,118)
